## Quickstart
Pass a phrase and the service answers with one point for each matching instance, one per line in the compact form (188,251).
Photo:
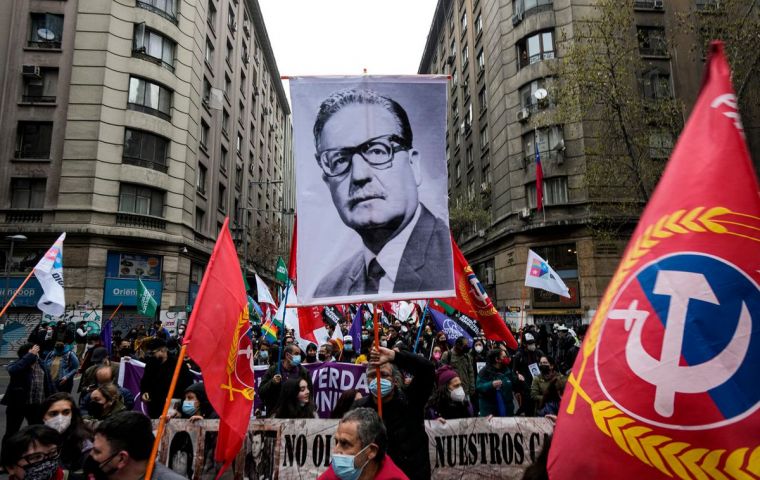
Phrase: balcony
(157,11)
(24,216)
(150,111)
(32,154)
(124,219)
(159,167)
(526,60)
(140,53)
(45,44)
(38,98)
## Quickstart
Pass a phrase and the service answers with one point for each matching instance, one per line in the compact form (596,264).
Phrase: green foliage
(467,216)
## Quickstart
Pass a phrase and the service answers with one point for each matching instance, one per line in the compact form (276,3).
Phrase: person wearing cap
(449,400)
(460,360)
(159,370)
(528,354)
(566,350)
(348,354)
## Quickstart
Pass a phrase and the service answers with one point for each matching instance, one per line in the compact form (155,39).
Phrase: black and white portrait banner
(371,189)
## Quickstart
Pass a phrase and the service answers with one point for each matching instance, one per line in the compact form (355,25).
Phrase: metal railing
(157,11)
(38,98)
(24,216)
(51,45)
(149,110)
(140,53)
(525,60)
(140,162)
(32,154)
(124,219)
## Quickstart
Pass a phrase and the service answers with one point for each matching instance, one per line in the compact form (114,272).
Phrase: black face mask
(321,357)
(92,467)
(95,409)
(545,369)
(311,358)
(125,352)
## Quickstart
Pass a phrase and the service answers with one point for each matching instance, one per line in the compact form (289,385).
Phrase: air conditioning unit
(247,27)
(523,115)
(524,213)
(658,4)
(490,277)
(482,233)
(32,71)
(516,19)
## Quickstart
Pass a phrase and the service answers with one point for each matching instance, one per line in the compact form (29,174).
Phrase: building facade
(137,127)
(502,57)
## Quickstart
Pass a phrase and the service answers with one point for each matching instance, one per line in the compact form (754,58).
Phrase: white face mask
(458,394)
(59,423)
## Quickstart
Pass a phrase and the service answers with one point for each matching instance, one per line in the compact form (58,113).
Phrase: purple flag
(356,329)
(449,326)
(106,335)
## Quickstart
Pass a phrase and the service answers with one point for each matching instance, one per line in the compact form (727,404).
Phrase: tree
(465,216)
(625,106)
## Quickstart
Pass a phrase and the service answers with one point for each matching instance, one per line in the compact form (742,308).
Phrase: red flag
(539,177)
(473,301)
(666,383)
(218,325)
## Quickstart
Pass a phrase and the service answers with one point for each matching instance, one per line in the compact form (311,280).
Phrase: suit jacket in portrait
(426,264)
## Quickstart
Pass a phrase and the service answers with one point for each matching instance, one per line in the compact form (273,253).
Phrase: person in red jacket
(359,451)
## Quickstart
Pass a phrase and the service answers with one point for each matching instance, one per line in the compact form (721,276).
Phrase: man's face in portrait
(367,197)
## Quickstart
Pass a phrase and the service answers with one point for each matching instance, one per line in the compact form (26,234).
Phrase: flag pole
(377,369)
(281,335)
(18,289)
(163,419)
(419,330)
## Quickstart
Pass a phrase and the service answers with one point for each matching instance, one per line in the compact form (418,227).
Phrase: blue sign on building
(29,295)
(124,291)
(192,294)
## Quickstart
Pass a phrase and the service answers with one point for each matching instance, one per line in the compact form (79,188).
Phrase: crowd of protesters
(424,375)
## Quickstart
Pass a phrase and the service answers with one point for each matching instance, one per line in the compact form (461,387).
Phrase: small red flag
(539,178)
(216,340)
(473,301)
(665,384)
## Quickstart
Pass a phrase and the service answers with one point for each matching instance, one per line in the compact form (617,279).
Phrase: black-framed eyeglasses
(40,456)
(377,151)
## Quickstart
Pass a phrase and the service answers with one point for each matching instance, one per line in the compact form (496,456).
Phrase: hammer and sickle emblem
(666,374)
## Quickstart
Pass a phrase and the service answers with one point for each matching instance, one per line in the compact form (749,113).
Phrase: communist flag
(665,384)
(472,300)
(215,338)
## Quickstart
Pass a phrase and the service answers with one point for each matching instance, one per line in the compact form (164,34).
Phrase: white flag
(317,336)
(265,296)
(49,272)
(538,274)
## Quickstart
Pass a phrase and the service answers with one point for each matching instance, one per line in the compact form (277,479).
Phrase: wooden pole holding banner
(281,335)
(114,312)
(16,293)
(163,419)
(377,369)
(522,314)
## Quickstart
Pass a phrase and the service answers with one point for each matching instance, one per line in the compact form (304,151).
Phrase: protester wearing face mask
(295,400)
(403,408)
(29,385)
(262,357)
(460,360)
(32,453)
(361,441)
(495,385)
(449,400)
(195,405)
(348,354)
(271,383)
(121,449)
(528,354)
(435,357)
(61,414)
(104,402)
(311,354)
(62,365)
(104,376)
(159,370)
(542,382)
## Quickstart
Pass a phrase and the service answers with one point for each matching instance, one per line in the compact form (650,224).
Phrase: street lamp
(13,239)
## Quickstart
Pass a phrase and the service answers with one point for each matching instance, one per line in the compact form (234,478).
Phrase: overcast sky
(343,37)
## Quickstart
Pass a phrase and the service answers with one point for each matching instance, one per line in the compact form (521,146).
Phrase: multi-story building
(137,127)
(499,54)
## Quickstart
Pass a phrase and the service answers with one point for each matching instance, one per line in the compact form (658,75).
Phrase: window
(660,145)
(239,144)
(28,192)
(458,170)
(225,123)
(149,97)
(528,98)
(471,190)
(483,100)
(242,83)
(231,19)
(468,156)
(453,49)
(478,24)
(464,23)
(41,88)
(468,116)
(228,54)
(239,176)
(200,219)
(141,200)
(481,61)
(223,160)
(535,48)
(550,142)
(33,139)
(652,41)
(209,56)
(154,47)
(465,56)
(211,15)
(484,137)
(454,109)
(227,86)
(222,201)
(454,79)
(522,7)
(145,149)
(241,113)
(200,178)
(46,30)
(655,85)
(164,8)
(554,192)
(206,92)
